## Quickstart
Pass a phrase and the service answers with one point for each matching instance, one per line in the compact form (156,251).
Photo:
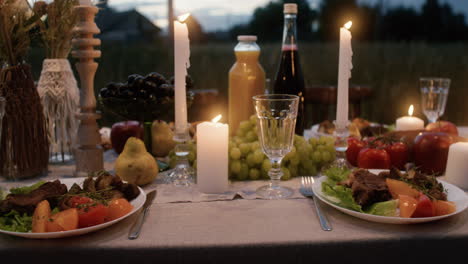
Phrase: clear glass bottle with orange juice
(246,79)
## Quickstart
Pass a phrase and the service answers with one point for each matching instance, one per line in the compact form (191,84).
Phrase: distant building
(127,26)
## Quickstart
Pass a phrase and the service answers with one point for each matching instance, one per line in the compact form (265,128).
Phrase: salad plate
(137,203)
(454,194)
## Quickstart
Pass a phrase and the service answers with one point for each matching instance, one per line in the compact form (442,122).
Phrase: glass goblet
(341,135)
(276,120)
(434,93)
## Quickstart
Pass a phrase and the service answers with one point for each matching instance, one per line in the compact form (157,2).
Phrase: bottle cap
(247,38)
(290,9)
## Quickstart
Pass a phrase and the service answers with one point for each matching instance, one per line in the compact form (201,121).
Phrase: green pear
(135,164)
(162,138)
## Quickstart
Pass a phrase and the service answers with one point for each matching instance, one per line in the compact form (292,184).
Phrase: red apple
(121,131)
(430,151)
(443,126)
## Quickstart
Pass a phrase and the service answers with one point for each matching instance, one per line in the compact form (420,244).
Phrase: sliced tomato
(407,205)
(75,201)
(424,208)
(444,207)
(397,187)
(118,208)
(63,221)
(91,215)
(90,212)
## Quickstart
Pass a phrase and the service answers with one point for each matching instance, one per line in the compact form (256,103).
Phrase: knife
(136,228)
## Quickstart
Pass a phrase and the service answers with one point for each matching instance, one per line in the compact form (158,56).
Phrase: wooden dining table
(244,231)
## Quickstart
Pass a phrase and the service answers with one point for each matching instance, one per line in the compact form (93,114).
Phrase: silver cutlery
(307,191)
(136,228)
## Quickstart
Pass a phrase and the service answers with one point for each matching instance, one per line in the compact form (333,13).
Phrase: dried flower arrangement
(24,146)
(59,19)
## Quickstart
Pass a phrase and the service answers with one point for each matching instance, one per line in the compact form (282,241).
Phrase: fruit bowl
(142,98)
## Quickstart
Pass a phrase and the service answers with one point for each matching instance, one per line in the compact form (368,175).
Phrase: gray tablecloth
(247,231)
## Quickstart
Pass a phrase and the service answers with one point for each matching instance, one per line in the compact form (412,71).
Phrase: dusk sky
(222,14)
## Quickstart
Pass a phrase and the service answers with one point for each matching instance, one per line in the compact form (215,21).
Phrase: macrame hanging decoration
(60,98)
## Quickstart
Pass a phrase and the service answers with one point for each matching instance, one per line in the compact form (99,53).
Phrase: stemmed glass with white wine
(276,119)
(434,93)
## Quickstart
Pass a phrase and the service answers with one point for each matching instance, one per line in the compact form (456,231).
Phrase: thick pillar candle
(212,157)
(344,73)
(409,122)
(457,165)
(181,63)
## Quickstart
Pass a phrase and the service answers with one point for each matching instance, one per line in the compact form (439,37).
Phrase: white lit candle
(181,63)
(409,122)
(457,167)
(344,74)
(212,156)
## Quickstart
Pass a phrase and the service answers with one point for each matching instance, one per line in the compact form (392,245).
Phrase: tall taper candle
(344,73)
(181,63)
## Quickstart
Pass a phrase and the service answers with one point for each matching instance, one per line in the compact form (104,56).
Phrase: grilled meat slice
(26,203)
(427,184)
(368,188)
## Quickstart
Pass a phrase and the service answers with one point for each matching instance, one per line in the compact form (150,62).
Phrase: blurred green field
(392,70)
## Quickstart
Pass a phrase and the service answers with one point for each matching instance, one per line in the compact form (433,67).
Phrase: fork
(307,191)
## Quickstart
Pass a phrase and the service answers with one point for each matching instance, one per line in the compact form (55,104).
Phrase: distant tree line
(436,22)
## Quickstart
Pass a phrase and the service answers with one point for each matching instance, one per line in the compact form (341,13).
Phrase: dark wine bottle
(289,78)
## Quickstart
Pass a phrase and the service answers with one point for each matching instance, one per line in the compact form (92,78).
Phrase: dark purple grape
(143,94)
(127,94)
(152,97)
(150,85)
(104,93)
(113,86)
(132,78)
(189,84)
(137,83)
(166,90)
(156,78)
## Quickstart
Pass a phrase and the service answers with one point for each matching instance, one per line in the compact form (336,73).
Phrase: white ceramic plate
(137,204)
(454,194)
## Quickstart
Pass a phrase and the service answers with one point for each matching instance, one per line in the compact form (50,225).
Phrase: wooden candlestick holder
(89,153)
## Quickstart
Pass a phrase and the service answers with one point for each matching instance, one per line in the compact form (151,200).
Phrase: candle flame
(348,25)
(216,119)
(411,110)
(183,17)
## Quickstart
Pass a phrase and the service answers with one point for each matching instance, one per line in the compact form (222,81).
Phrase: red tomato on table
(90,212)
(424,208)
(399,154)
(354,146)
(373,158)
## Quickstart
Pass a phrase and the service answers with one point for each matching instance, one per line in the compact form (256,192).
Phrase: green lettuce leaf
(336,174)
(15,222)
(387,208)
(26,189)
(343,196)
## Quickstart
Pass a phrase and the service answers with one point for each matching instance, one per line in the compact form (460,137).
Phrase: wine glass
(434,93)
(341,135)
(276,119)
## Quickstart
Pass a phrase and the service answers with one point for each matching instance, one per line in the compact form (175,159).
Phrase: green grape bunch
(248,162)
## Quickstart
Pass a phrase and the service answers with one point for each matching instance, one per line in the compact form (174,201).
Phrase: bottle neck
(289,32)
